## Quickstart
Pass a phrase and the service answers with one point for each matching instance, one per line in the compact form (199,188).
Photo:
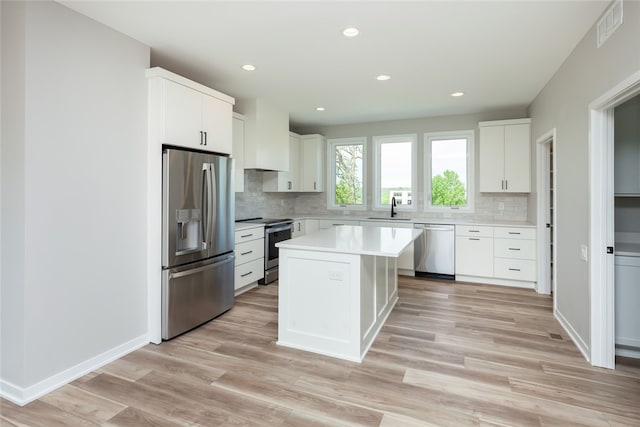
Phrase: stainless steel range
(275,230)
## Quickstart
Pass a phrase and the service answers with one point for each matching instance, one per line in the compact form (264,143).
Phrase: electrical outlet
(584,253)
(500,206)
(336,275)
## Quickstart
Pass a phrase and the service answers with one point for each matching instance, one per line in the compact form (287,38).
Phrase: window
(449,171)
(395,164)
(346,173)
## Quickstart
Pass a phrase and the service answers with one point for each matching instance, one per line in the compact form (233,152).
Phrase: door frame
(601,220)
(542,184)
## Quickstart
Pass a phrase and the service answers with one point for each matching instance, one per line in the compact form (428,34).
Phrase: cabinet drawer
(515,248)
(249,272)
(478,231)
(515,269)
(249,251)
(515,233)
(249,234)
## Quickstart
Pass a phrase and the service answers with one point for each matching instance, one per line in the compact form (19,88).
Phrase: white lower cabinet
(496,255)
(249,251)
(627,290)
(515,253)
(474,251)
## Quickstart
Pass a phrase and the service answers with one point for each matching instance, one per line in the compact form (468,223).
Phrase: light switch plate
(584,253)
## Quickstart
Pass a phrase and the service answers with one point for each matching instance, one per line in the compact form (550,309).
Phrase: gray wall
(74,114)
(486,204)
(563,104)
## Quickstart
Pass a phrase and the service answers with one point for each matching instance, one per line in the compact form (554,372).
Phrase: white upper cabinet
(505,156)
(266,131)
(285,181)
(238,151)
(313,148)
(187,114)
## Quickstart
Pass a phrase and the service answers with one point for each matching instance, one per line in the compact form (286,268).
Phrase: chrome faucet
(393,205)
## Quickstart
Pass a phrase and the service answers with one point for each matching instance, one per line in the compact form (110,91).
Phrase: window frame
(428,137)
(377,144)
(331,178)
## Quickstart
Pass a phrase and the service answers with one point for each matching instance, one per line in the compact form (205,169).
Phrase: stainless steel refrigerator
(197,239)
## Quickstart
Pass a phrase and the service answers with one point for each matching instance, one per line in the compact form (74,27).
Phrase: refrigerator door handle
(206,204)
(213,199)
(176,275)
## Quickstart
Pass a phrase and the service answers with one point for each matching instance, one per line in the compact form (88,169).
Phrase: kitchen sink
(388,218)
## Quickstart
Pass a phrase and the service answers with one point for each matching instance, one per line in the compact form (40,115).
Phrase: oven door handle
(279,228)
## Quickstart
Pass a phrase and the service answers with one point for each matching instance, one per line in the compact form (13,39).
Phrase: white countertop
(419,220)
(247,225)
(628,249)
(356,239)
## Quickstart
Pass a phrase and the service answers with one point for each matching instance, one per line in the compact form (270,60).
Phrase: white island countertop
(357,240)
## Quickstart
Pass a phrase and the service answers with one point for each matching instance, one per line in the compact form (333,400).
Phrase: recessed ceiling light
(456,94)
(319,108)
(248,67)
(383,77)
(350,32)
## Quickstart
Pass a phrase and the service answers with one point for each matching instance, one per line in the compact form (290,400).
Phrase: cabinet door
(217,119)
(517,158)
(182,116)
(474,256)
(294,162)
(491,159)
(312,163)
(238,153)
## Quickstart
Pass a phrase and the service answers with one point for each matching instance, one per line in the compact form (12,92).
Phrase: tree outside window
(346,173)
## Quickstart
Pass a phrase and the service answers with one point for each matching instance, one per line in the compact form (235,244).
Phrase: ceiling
(500,54)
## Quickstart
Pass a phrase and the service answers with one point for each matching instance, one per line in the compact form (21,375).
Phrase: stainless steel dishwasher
(434,251)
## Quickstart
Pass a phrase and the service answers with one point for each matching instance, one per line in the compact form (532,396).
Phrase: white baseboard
(628,352)
(23,395)
(493,281)
(577,340)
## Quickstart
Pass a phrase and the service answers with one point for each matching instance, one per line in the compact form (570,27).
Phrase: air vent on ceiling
(609,22)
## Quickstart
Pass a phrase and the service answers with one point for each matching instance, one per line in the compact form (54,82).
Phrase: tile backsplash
(255,203)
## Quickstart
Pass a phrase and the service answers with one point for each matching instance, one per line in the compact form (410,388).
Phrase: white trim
(575,337)
(331,173)
(495,281)
(601,221)
(543,286)
(469,135)
(395,139)
(23,395)
(628,352)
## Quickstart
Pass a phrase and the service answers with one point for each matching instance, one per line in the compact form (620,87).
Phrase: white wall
(563,104)
(486,204)
(73,195)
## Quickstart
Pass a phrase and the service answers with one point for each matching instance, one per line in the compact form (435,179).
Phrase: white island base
(334,299)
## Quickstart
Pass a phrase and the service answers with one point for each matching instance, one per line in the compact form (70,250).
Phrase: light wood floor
(450,354)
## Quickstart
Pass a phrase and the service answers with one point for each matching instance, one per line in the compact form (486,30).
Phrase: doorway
(602,219)
(546,203)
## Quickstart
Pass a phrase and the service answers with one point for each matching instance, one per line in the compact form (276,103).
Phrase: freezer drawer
(196,293)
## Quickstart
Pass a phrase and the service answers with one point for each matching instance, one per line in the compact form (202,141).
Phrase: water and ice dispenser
(188,230)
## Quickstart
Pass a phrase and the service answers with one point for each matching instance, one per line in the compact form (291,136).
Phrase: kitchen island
(337,286)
